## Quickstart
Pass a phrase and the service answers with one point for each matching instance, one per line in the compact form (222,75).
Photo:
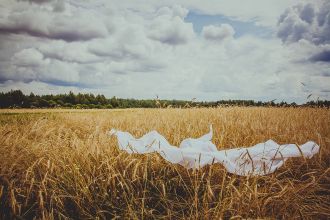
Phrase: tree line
(17,99)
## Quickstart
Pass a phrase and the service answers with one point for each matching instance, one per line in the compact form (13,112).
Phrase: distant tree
(60,103)
(16,99)
(42,103)
(52,103)
(114,102)
(68,105)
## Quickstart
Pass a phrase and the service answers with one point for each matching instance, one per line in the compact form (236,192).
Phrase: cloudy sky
(209,50)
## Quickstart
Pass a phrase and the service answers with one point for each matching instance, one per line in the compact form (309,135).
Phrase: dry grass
(61,164)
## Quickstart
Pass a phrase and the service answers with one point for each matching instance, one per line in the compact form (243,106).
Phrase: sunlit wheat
(59,164)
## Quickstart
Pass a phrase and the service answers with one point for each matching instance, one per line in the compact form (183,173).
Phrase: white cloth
(260,159)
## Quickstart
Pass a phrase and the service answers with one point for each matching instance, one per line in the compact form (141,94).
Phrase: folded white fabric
(260,159)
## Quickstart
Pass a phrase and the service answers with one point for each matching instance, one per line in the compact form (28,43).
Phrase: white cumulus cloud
(218,33)
(140,49)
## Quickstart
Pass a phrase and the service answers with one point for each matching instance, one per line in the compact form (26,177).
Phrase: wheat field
(61,164)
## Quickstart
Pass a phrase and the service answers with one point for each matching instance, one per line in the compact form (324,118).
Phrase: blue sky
(241,27)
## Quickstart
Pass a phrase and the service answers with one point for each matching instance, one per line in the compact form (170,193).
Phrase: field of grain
(61,164)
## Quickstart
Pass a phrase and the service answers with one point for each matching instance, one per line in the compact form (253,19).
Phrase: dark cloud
(171,38)
(116,53)
(68,33)
(37,1)
(310,22)
(326,74)
(324,56)
(38,22)
(57,82)
(307,13)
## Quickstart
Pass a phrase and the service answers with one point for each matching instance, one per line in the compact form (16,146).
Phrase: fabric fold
(260,159)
